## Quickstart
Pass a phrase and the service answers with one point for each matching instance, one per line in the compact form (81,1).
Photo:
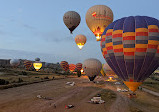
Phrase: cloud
(28,26)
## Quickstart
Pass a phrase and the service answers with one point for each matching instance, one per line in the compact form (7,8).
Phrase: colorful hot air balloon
(72,20)
(14,62)
(130,46)
(98,18)
(64,65)
(102,71)
(27,64)
(79,66)
(37,64)
(92,68)
(80,40)
(72,67)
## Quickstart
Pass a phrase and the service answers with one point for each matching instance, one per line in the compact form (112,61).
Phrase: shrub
(24,73)
(20,80)
(46,77)
(3,82)
(36,77)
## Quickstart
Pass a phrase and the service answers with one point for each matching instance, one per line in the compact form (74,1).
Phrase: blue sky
(37,26)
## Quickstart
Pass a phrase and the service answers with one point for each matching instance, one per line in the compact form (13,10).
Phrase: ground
(24,98)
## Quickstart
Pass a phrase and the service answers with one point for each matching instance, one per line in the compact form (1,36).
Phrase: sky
(36,27)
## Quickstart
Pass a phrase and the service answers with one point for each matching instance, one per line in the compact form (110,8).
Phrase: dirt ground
(24,98)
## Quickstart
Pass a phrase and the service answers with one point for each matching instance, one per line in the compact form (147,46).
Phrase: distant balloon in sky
(72,67)
(37,64)
(14,62)
(64,65)
(130,46)
(80,40)
(92,68)
(72,20)
(98,18)
(27,64)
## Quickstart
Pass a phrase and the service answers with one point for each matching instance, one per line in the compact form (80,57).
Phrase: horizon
(37,26)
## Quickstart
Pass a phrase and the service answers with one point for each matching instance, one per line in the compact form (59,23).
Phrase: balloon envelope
(37,59)
(72,67)
(37,65)
(15,62)
(80,40)
(72,20)
(27,64)
(64,65)
(79,66)
(102,70)
(98,18)
(107,70)
(130,47)
(92,68)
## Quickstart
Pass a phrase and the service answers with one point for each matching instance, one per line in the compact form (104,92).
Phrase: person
(54,105)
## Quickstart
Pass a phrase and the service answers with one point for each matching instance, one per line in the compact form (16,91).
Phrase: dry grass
(18,77)
(151,85)
(145,102)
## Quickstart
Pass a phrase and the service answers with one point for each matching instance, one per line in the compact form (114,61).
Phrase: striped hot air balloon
(64,65)
(27,64)
(98,18)
(79,66)
(72,67)
(130,46)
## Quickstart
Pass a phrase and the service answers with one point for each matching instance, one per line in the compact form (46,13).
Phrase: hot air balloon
(37,64)
(108,71)
(92,68)
(98,18)
(14,62)
(130,47)
(27,64)
(72,20)
(102,71)
(72,67)
(37,59)
(79,66)
(80,41)
(64,65)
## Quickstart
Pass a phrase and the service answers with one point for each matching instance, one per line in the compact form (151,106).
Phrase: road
(151,92)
